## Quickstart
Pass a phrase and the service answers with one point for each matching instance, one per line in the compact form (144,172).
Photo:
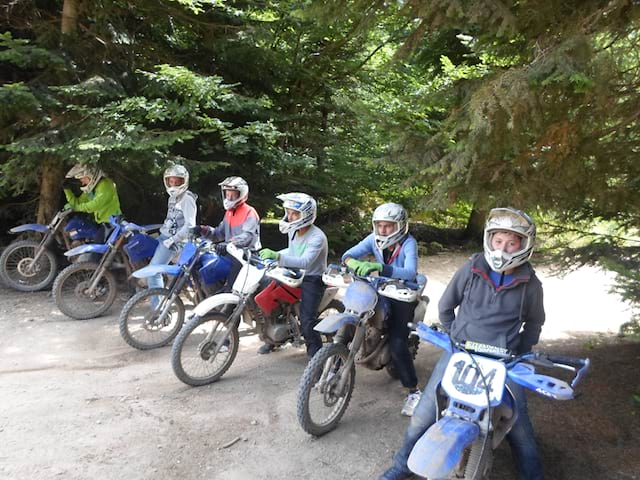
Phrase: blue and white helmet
(300,202)
(508,220)
(176,171)
(390,212)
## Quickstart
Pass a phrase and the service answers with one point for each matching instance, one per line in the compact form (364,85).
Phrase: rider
(240,225)
(307,249)
(396,254)
(499,301)
(99,195)
(181,217)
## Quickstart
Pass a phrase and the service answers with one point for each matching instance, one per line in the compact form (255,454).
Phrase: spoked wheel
(321,401)
(73,297)
(200,354)
(151,318)
(20,272)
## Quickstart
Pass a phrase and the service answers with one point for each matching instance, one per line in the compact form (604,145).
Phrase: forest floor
(76,402)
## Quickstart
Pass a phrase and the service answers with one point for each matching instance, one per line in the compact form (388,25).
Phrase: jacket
(508,316)
(102,201)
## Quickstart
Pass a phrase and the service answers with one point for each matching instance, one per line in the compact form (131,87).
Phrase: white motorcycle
(265,296)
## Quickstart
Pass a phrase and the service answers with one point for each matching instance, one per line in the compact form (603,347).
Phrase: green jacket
(103,201)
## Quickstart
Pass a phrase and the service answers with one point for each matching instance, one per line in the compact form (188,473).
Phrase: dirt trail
(78,403)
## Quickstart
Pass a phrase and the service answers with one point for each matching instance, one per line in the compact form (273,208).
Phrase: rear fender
(440,449)
(87,248)
(332,323)
(210,303)
(30,227)
(151,270)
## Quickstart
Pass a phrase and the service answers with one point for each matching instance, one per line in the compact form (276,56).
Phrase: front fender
(210,303)
(30,227)
(151,270)
(440,449)
(87,248)
(332,323)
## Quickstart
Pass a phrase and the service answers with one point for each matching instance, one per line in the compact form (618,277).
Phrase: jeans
(400,314)
(161,256)
(312,292)
(521,437)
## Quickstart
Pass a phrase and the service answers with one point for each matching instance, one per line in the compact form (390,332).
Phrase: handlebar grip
(412,285)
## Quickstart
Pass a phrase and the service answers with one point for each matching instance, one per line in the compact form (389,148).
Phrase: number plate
(463,381)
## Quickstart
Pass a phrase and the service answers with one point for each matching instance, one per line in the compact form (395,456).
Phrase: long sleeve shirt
(181,216)
(308,251)
(402,264)
(102,201)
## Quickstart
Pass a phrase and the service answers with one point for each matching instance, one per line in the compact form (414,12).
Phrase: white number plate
(463,381)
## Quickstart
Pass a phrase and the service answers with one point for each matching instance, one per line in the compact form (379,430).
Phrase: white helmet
(237,184)
(508,220)
(176,171)
(79,171)
(300,202)
(390,212)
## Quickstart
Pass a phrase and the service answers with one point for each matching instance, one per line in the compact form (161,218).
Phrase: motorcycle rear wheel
(18,272)
(139,325)
(193,356)
(71,297)
(319,406)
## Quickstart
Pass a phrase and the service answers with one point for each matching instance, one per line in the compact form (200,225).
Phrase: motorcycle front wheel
(72,296)
(140,322)
(18,270)
(200,355)
(321,404)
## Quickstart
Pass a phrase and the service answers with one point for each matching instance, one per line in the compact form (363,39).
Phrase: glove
(268,254)
(72,185)
(221,248)
(363,268)
(168,243)
(67,206)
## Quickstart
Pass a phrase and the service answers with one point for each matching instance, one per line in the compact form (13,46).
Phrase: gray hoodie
(508,316)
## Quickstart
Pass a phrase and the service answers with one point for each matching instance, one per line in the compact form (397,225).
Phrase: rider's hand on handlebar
(221,248)
(268,254)
(363,268)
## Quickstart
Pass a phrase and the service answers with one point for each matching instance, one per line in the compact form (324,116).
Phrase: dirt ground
(76,402)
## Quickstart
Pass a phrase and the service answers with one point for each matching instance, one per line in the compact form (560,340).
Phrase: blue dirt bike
(328,380)
(478,408)
(88,289)
(29,265)
(153,317)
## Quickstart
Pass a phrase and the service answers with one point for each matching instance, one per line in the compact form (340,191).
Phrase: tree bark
(50,184)
(69,22)
(475,225)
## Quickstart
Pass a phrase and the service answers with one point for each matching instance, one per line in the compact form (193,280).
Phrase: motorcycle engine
(374,352)
(278,327)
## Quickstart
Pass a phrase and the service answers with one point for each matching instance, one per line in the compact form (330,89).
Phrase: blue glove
(268,254)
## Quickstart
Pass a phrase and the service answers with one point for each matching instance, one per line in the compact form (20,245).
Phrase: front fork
(232,322)
(354,347)
(105,262)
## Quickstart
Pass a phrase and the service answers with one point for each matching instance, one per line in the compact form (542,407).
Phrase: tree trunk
(69,22)
(475,225)
(50,184)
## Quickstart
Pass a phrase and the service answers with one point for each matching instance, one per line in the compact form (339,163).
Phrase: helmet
(390,212)
(176,171)
(79,171)
(300,202)
(508,220)
(237,184)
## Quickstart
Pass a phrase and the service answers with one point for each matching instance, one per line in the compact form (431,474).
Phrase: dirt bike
(328,380)
(88,289)
(265,296)
(31,265)
(153,317)
(480,408)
